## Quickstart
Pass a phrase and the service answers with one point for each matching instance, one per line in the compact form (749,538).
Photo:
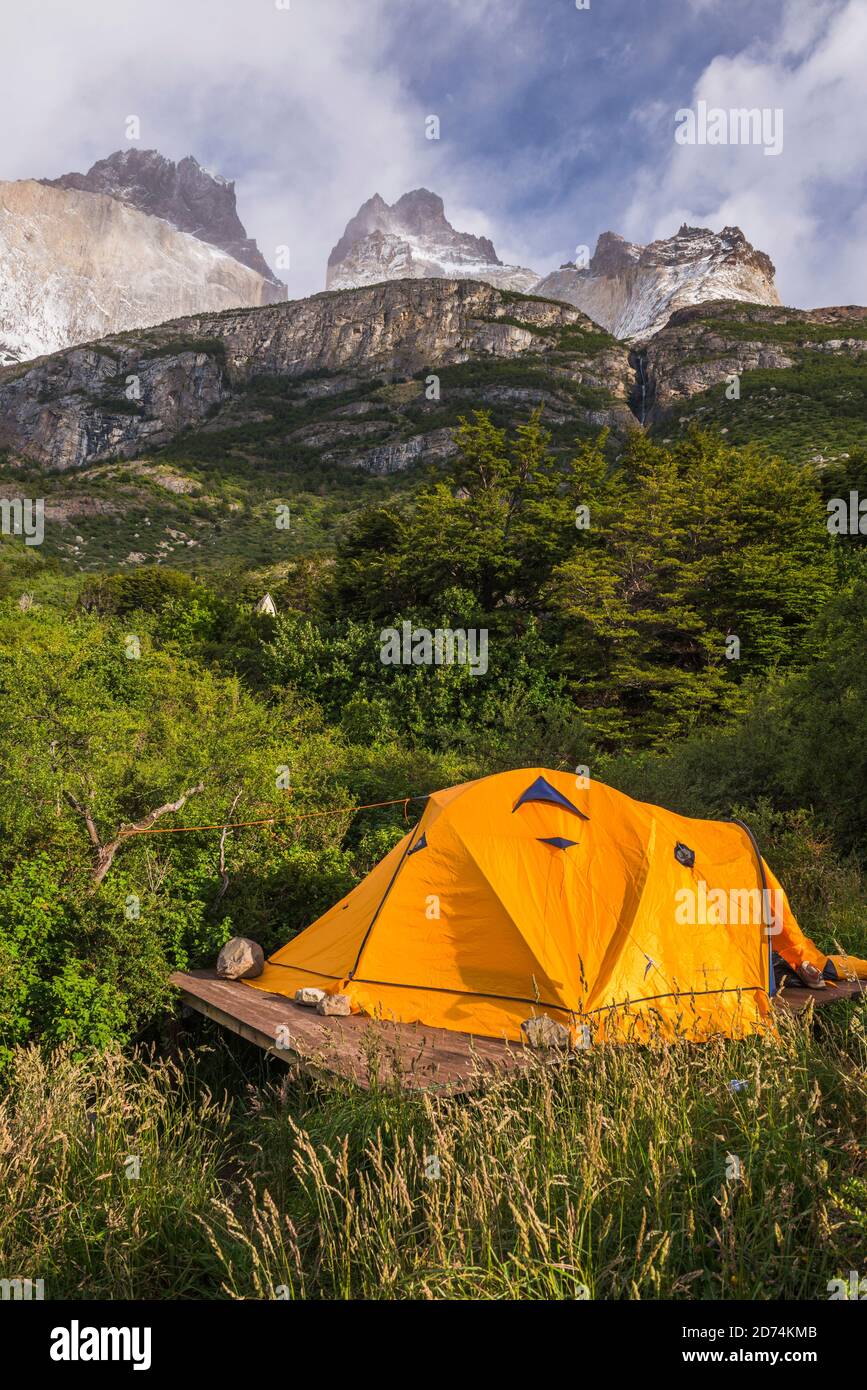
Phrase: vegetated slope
(802,377)
(182,439)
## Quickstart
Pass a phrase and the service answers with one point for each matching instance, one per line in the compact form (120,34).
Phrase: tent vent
(557,841)
(541,790)
(684,855)
(422,844)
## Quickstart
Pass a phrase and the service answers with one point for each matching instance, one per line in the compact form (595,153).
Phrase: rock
(187,196)
(110,268)
(633,290)
(72,423)
(240,959)
(394,458)
(412,239)
(334,1004)
(70,409)
(697,351)
(543,1031)
(309,995)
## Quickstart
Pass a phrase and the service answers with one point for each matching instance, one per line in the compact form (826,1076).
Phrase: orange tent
(535,892)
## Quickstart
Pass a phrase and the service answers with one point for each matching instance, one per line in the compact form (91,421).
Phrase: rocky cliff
(412,239)
(133,392)
(189,197)
(633,290)
(703,347)
(174,443)
(75,266)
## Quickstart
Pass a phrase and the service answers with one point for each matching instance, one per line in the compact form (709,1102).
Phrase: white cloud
(306,108)
(294,103)
(311,111)
(807,206)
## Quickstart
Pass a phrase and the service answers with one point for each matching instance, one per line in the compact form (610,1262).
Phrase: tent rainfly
(535,893)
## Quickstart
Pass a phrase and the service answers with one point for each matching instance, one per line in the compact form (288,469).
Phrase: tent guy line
(274,820)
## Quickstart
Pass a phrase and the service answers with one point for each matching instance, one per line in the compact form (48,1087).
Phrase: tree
(702,564)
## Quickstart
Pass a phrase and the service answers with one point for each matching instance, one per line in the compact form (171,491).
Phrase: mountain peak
(189,197)
(633,290)
(413,239)
(613,254)
(420,206)
(79,264)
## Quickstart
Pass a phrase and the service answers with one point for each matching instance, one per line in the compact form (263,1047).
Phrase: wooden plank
(359,1048)
(795,998)
(363,1049)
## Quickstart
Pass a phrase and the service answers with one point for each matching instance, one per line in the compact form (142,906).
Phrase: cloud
(296,104)
(806,206)
(556,123)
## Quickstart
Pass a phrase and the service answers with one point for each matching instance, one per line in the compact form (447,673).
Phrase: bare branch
(147,821)
(87,818)
(224,877)
(105,851)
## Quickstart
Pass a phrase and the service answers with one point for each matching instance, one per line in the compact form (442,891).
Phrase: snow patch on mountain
(75,266)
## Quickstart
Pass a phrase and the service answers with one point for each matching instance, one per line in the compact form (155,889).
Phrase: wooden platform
(359,1048)
(364,1050)
(795,998)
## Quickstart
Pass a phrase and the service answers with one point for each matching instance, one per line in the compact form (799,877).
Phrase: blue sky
(556,123)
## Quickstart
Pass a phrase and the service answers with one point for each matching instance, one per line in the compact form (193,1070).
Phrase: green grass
(214,347)
(796,331)
(609,1170)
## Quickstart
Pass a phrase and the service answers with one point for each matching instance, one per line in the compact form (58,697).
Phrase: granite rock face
(702,346)
(132,392)
(412,239)
(72,408)
(76,265)
(632,291)
(189,197)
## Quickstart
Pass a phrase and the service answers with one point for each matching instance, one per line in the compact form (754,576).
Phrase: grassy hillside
(811,406)
(322,444)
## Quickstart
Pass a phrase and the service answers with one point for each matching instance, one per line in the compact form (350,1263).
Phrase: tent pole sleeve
(364,939)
